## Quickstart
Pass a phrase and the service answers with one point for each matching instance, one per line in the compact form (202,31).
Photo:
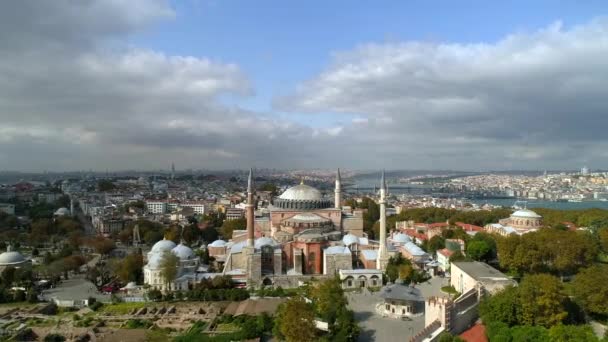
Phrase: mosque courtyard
(374,327)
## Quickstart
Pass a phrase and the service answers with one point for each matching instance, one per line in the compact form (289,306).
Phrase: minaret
(338,192)
(249,209)
(382,260)
(172,171)
(72,206)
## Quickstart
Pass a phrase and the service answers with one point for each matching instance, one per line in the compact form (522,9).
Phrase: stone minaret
(383,257)
(338,192)
(249,209)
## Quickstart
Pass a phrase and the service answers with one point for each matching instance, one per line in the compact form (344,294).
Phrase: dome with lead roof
(183,252)
(163,245)
(301,192)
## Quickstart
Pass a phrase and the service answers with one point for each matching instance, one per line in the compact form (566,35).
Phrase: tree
(131,268)
(154,295)
(328,297)
(542,300)
(295,321)
(436,243)
(502,307)
(168,267)
(603,237)
(231,225)
(105,185)
(572,333)
(590,289)
(101,245)
(478,250)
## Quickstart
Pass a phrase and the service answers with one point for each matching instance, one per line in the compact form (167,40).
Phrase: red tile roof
(445,252)
(476,333)
(469,227)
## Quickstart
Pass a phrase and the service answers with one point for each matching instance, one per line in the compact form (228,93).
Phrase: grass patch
(39,322)
(121,308)
(227,327)
(449,289)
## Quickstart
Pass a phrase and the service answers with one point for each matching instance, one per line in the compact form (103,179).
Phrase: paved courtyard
(76,288)
(376,328)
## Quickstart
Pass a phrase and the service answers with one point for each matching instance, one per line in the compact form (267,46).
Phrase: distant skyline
(223,84)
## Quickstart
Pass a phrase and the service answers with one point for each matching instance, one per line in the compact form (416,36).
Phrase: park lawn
(121,308)
(227,327)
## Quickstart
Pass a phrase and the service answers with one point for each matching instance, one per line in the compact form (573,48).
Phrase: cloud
(75,94)
(522,96)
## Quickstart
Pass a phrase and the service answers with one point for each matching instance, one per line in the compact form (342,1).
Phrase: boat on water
(575,200)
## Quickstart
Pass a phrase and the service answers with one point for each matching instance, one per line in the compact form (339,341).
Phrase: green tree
(572,333)
(542,300)
(436,243)
(295,321)
(503,306)
(590,289)
(169,267)
(328,297)
(231,225)
(479,250)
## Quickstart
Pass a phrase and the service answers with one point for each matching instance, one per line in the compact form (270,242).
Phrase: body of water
(545,204)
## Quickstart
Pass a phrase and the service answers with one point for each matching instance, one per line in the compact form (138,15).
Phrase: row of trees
(561,252)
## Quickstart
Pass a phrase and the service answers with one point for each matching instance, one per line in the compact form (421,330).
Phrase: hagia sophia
(304,234)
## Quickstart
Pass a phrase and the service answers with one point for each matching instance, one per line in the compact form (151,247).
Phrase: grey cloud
(530,97)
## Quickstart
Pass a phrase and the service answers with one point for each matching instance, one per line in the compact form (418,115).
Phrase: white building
(7,208)
(156,207)
(198,207)
(187,266)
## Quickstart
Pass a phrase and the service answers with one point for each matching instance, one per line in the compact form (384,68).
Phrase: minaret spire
(382,260)
(338,191)
(249,209)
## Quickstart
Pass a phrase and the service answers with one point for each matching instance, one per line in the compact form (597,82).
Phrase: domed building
(187,266)
(14,259)
(523,219)
(293,239)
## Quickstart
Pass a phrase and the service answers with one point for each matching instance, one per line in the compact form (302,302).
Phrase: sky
(222,84)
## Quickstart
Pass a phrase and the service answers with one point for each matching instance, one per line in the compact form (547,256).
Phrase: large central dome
(301,192)
(302,197)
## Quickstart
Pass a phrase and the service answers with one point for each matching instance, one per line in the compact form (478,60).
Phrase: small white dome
(218,243)
(183,252)
(264,241)
(62,212)
(163,245)
(301,192)
(154,261)
(13,257)
(527,213)
(401,238)
(349,239)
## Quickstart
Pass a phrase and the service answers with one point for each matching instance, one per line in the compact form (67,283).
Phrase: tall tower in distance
(338,192)
(249,209)
(383,257)
(172,171)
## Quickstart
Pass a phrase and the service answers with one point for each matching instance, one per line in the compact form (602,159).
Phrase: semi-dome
(163,245)
(183,252)
(264,241)
(218,243)
(62,212)
(11,257)
(301,192)
(526,213)
(349,239)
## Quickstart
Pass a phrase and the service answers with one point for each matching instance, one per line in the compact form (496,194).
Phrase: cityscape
(319,171)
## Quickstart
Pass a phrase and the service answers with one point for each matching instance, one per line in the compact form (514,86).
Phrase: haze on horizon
(228,84)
